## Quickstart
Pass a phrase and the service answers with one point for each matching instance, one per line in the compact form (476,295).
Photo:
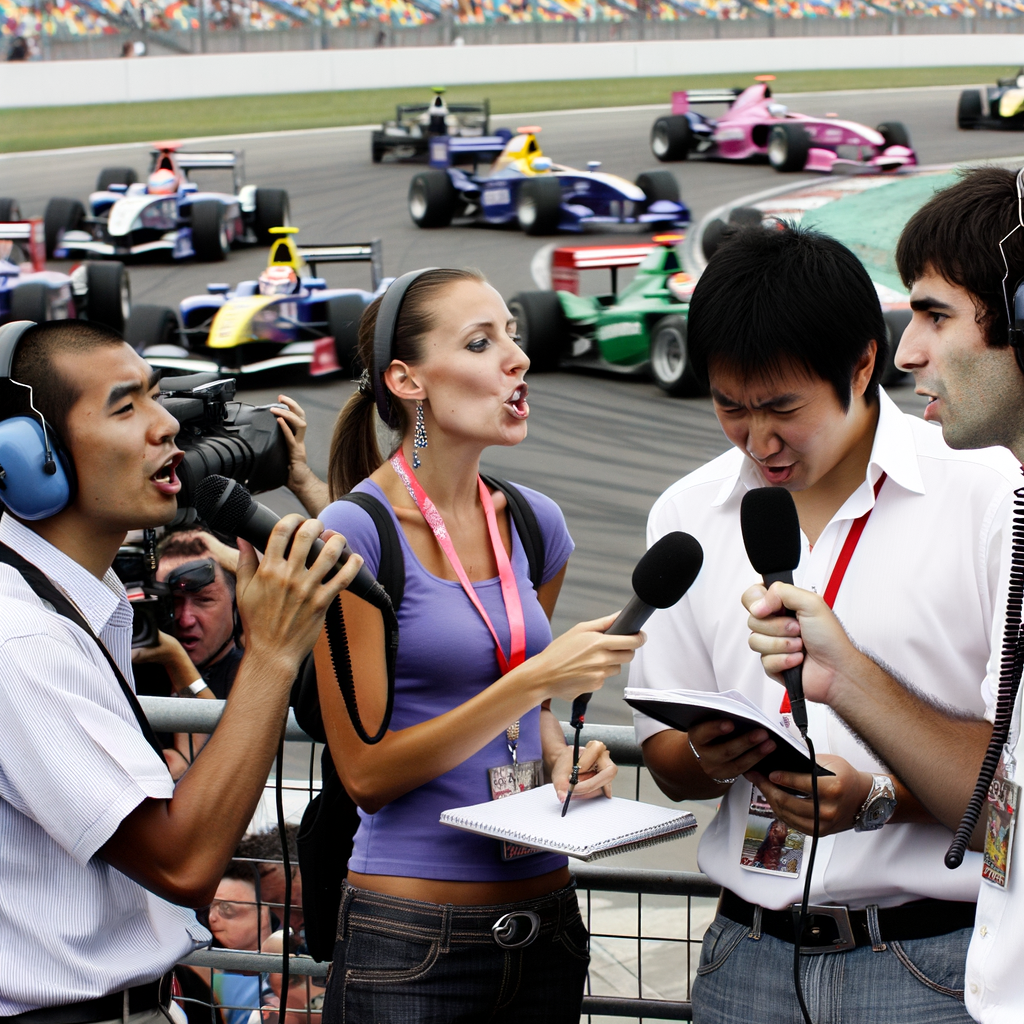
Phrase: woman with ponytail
(437,924)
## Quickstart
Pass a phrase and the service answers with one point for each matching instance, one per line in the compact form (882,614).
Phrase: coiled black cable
(1010,665)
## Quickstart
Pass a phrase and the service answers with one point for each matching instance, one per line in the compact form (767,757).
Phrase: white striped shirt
(73,765)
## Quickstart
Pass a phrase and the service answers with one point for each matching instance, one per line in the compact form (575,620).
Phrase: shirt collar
(101,602)
(893,452)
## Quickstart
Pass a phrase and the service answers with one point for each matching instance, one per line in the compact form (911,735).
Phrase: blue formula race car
(288,317)
(166,213)
(525,188)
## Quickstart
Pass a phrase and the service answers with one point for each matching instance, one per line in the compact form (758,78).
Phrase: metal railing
(677,952)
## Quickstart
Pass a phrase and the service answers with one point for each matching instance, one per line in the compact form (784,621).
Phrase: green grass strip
(54,127)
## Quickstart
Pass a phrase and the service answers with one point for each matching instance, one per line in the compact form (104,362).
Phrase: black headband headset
(1015,307)
(384,342)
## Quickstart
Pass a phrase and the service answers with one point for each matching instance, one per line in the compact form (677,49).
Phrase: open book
(683,709)
(592,828)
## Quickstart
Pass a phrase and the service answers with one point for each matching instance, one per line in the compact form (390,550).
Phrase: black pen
(575,769)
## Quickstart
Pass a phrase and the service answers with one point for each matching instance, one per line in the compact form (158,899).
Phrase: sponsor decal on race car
(626,329)
(496,197)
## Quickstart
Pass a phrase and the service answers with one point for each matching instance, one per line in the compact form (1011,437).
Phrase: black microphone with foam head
(227,507)
(771,535)
(660,579)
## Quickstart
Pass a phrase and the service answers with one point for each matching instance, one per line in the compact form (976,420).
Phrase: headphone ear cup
(26,489)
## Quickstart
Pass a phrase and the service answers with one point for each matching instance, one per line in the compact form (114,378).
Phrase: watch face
(878,812)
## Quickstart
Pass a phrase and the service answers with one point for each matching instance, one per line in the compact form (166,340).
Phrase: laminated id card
(770,845)
(507,779)
(1000,823)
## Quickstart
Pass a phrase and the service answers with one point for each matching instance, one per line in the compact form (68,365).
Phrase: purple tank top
(445,657)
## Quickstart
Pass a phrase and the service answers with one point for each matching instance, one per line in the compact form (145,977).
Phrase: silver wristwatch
(879,807)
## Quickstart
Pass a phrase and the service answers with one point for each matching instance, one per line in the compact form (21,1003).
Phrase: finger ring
(725,782)
(693,748)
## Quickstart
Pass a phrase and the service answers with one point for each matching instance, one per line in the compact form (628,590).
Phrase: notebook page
(534,818)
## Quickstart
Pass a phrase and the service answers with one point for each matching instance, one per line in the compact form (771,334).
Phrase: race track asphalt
(604,447)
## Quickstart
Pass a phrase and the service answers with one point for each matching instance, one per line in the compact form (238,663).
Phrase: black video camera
(218,435)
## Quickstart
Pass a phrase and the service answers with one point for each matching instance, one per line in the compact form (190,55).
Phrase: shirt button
(984,931)
(974,989)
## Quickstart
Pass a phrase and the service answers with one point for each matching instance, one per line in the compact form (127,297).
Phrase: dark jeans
(401,961)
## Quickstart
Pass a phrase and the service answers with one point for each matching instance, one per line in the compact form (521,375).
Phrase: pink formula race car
(755,126)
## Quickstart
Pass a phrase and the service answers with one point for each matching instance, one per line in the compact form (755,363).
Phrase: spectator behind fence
(100,852)
(449,373)
(954,254)
(264,849)
(786,324)
(239,921)
(305,995)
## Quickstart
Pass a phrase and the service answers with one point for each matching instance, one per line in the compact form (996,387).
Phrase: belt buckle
(844,939)
(506,930)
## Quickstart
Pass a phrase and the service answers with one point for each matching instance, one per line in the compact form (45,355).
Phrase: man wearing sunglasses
(962,255)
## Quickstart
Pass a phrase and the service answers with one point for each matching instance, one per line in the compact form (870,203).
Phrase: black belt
(91,1011)
(836,929)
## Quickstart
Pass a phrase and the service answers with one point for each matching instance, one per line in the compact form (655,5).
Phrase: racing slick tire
(109,296)
(343,315)
(272,211)
(31,301)
(209,232)
(543,331)
(969,110)
(671,138)
(432,199)
(670,358)
(115,176)
(745,216)
(788,146)
(658,185)
(896,321)
(539,206)
(151,325)
(9,210)
(895,133)
(60,215)
(714,235)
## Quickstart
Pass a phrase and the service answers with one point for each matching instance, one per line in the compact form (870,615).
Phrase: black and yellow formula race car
(998,106)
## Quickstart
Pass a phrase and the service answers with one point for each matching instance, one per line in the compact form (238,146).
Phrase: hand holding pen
(596,772)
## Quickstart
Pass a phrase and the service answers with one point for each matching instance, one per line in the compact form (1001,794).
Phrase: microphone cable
(802,917)
(286,925)
(1010,666)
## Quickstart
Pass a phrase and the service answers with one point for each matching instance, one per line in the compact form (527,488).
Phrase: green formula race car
(640,329)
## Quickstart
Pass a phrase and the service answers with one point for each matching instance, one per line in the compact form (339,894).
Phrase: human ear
(399,378)
(864,368)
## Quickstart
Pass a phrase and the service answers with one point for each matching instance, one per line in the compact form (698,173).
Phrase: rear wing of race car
(230,160)
(682,101)
(446,150)
(371,252)
(569,260)
(29,237)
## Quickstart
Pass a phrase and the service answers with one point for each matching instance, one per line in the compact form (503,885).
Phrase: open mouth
(517,402)
(931,410)
(165,478)
(776,474)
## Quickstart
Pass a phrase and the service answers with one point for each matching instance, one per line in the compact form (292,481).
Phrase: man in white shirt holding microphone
(787,326)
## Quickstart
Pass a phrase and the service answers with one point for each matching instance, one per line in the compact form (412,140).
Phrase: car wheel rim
(418,204)
(126,300)
(777,150)
(668,357)
(659,143)
(527,212)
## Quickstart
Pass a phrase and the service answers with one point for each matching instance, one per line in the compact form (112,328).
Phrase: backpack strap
(527,527)
(391,571)
(46,590)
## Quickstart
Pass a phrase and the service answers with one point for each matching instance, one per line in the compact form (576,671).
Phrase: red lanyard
(835,580)
(509,587)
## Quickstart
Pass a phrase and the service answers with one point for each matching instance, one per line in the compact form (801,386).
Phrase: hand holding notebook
(592,828)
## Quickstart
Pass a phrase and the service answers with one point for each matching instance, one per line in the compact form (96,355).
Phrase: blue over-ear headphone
(36,476)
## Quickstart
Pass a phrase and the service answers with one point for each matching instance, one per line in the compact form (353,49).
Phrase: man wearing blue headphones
(962,255)
(100,852)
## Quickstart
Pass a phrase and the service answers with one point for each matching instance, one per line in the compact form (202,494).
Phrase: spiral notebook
(592,828)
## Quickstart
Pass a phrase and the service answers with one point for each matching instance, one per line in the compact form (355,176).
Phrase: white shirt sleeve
(675,655)
(998,562)
(72,757)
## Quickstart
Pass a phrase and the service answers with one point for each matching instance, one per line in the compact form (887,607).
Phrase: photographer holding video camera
(100,852)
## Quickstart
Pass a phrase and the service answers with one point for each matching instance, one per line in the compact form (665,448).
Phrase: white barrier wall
(57,83)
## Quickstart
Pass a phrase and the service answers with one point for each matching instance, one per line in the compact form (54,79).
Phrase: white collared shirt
(73,765)
(919,593)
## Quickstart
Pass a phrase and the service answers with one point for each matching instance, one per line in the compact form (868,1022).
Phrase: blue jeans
(400,961)
(743,978)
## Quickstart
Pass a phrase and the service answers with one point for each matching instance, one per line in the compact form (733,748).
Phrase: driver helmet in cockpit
(278,281)
(162,182)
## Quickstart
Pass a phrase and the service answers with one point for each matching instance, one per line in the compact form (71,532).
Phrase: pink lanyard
(509,587)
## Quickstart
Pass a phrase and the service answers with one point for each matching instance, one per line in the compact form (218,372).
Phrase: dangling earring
(419,438)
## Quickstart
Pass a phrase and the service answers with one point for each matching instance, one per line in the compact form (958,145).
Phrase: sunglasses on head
(1015,306)
(192,576)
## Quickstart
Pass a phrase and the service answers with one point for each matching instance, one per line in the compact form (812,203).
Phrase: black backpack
(329,822)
